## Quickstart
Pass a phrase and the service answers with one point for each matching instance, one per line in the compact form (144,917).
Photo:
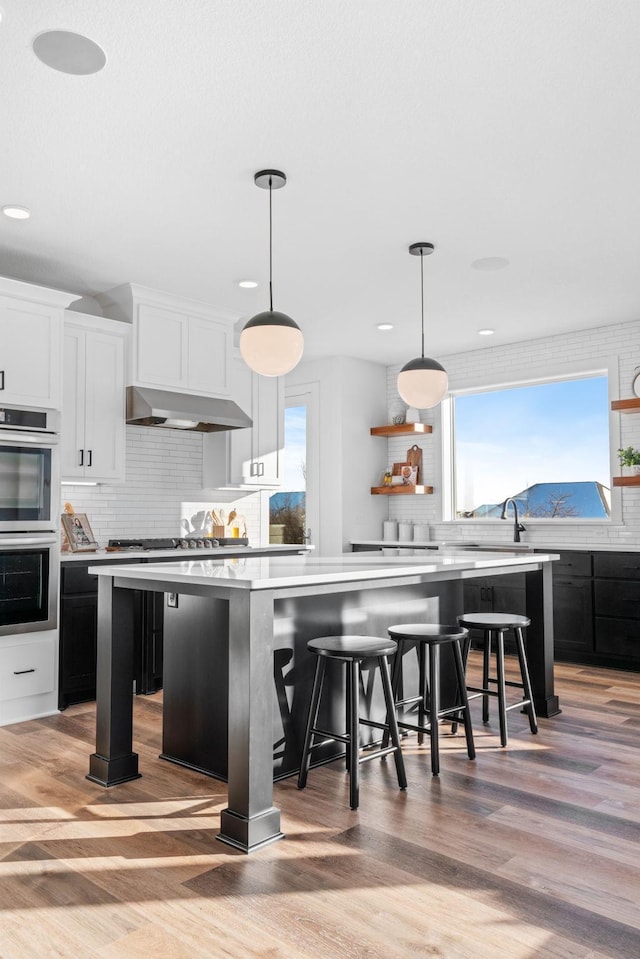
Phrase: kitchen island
(311,595)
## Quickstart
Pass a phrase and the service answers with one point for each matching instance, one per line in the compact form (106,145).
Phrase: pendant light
(422,382)
(271,343)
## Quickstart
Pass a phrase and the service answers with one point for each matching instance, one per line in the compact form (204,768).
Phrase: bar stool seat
(353,650)
(431,637)
(494,626)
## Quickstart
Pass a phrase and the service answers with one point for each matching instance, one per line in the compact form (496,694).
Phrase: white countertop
(435,544)
(102,556)
(281,572)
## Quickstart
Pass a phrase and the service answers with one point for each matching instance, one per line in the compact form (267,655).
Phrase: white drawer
(27,669)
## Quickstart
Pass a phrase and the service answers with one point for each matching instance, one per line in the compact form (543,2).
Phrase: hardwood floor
(530,851)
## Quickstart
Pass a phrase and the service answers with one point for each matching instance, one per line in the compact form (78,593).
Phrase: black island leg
(539,592)
(251,820)
(114,761)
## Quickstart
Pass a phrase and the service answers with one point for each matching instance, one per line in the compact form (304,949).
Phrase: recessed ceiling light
(247,284)
(486,332)
(16,212)
(490,263)
(69,52)
(385,326)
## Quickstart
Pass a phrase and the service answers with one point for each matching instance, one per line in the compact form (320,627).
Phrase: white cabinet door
(268,430)
(30,354)
(104,407)
(93,412)
(161,347)
(72,444)
(249,458)
(208,356)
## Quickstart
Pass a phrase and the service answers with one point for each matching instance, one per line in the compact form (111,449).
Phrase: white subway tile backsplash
(163,487)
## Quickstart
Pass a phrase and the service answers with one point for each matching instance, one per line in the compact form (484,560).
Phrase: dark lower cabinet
(78,626)
(573,607)
(78,635)
(617,609)
(596,608)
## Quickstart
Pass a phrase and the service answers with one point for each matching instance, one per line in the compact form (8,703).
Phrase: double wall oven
(29,519)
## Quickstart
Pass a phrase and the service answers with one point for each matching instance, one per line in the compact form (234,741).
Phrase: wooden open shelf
(626,406)
(402,490)
(403,429)
(626,480)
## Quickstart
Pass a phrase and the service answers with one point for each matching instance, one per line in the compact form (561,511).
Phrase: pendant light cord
(422,296)
(271,251)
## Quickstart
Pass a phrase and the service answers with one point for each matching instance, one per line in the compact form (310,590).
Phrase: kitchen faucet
(517,525)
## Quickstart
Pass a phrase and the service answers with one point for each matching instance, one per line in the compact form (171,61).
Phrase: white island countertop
(282,572)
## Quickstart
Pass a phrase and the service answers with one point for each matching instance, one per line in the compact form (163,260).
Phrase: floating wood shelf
(403,429)
(626,406)
(402,490)
(626,480)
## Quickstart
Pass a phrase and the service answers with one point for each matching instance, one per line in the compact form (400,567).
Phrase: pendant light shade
(422,382)
(271,343)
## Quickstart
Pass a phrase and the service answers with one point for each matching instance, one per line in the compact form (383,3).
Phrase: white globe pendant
(271,343)
(422,382)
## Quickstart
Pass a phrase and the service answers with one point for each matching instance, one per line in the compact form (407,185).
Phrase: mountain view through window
(545,445)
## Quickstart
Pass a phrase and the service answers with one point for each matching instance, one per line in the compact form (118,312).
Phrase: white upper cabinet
(249,458)
(178,344)
(93,410)
(31,320)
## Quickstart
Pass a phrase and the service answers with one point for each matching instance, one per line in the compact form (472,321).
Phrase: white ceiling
(492,128)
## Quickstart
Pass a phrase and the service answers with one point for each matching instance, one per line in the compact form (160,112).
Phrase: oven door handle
(11,541)
(29,439)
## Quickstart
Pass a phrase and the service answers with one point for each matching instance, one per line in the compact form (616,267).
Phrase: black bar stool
(431,637)
(352,650)
(494,626)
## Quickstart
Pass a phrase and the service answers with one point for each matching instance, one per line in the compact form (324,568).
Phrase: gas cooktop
(165,542)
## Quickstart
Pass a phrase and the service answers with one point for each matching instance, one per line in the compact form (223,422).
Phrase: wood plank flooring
(530,852)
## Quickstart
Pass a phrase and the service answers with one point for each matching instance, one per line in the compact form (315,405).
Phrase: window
(544,445)
(287,509)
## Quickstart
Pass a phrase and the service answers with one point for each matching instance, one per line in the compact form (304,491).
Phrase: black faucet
(517,525)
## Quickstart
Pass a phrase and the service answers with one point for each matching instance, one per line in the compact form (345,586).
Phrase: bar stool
(495,625)
(432,637)
(352,650)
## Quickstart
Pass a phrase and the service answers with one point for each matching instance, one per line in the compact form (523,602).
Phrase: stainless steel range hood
(183,411)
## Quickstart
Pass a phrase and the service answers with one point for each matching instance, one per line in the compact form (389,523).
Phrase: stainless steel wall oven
(28,582)
(29,519)
(29,470)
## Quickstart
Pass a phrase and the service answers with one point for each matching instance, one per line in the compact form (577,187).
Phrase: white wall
(352,400)
(163,487)
(552,355)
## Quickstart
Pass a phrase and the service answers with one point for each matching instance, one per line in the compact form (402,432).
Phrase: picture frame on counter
(79,533)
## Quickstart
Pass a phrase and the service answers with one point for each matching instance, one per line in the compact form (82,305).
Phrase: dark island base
(196,691)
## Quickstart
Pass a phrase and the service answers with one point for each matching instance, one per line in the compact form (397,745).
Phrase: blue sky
(295,448)
(506,440)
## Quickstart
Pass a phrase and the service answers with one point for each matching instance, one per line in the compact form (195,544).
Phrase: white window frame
(605,366)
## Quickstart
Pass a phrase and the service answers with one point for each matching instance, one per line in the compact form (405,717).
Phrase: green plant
(629,457)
